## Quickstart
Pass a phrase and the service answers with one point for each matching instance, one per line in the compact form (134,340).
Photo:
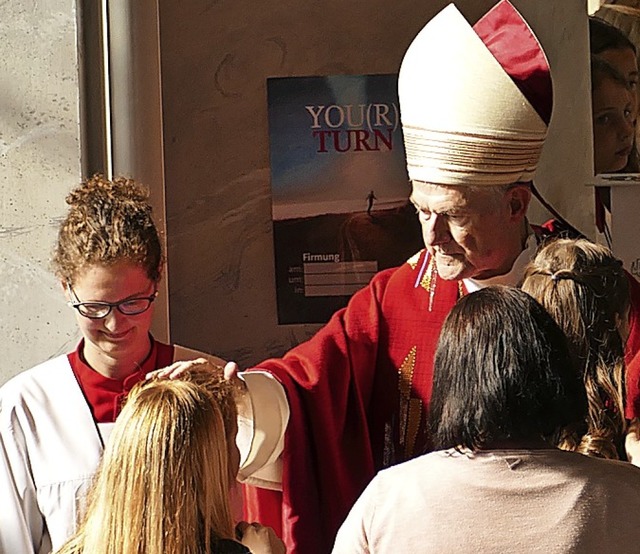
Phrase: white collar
(515,274)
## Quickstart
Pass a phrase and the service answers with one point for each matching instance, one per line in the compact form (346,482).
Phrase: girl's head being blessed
(503,375)
(163,484)
(108,259)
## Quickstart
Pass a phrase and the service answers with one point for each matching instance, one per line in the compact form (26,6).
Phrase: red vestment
(358,392)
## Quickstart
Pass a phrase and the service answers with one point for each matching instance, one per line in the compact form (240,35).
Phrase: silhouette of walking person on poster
(370,198)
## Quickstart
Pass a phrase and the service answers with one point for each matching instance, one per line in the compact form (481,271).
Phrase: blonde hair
(585,289)
(108,221)
(163,484)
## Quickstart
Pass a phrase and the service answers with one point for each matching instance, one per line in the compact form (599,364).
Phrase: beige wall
(39,163)
(216,57)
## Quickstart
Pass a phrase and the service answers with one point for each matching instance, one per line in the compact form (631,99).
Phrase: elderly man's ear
(519,199)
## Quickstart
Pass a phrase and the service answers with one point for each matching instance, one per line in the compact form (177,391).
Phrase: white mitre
(464,119)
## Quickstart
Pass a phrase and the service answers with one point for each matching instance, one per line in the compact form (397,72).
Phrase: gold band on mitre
(452,158)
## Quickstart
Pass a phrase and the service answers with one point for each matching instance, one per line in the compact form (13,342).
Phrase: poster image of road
(339,190)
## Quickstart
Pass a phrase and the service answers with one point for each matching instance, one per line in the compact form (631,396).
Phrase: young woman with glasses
(55,418)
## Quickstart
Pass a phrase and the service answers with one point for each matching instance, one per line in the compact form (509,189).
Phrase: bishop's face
(470,232)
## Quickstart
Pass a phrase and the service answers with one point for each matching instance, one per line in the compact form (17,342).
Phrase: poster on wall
(339,190)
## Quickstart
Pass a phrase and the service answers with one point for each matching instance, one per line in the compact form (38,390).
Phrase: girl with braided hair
(585,289)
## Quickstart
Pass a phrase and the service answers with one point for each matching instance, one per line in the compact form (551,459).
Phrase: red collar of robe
(105,395)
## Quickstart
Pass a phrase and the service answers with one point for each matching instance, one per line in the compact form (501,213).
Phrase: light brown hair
(163,484)
(585,289)
(108,221)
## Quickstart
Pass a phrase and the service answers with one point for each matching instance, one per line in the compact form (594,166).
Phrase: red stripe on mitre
(509,38)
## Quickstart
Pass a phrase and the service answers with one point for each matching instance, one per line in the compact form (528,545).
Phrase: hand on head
(177,369)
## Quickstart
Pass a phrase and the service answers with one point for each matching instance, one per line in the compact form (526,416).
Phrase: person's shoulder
(415,263)
(618,480)
(615,468)
(33,387)
(416,466)
(430,472)
(412,264)
(600,469)
(31,379)
(403,273)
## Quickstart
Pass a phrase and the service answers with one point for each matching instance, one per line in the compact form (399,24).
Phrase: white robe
(49,451)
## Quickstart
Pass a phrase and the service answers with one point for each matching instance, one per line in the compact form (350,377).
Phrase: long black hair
(502,372)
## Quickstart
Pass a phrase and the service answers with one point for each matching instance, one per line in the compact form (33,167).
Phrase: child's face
(613,125)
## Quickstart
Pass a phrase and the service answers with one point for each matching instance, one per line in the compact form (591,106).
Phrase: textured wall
(39,163)
(216,56)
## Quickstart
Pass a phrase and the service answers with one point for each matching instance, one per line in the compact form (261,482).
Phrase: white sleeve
(263,415)
(261,428)
(22,527)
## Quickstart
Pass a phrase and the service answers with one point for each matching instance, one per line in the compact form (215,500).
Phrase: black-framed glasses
(99,310)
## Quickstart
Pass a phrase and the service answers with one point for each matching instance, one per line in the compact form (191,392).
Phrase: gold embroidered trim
(405,381)
(425,283)
(429,279)
(406,372)
(410,415)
